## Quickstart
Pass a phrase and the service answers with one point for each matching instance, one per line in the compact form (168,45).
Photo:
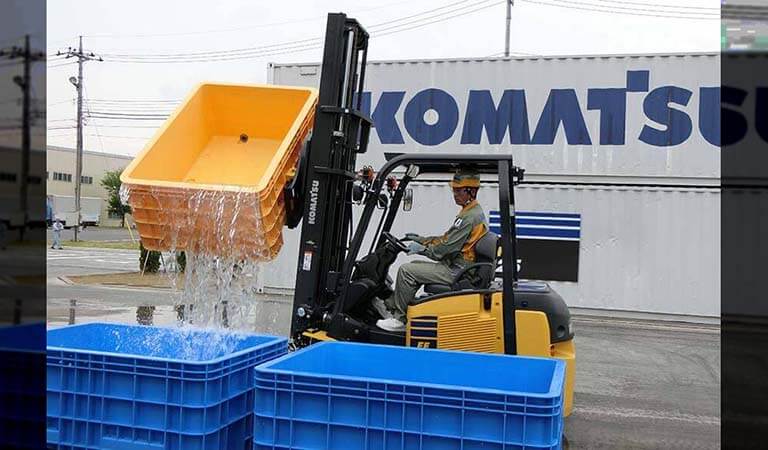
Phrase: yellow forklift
(485,309)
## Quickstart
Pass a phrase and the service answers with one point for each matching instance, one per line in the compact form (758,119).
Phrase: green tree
(111,182)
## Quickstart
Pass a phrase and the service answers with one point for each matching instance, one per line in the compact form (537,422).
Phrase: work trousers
(410,277)
(56,239)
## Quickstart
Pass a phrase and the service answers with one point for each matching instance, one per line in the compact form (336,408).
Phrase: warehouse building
(60,170)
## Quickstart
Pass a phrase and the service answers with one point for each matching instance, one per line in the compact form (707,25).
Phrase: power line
(130,126)
(96,126)
(132,100)
(379,31)
(648,8)
(439,20)
(129,116)
(426,17)
(577,6)
(417,14)
(661,5)
(234,29)
(71,100)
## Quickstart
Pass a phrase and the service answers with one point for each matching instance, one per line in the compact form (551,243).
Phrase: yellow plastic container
(211,179)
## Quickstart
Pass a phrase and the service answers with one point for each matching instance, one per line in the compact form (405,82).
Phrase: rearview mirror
(383,201)
(413,171)
(408,199)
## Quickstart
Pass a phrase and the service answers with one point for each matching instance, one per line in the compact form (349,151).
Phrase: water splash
(225,240)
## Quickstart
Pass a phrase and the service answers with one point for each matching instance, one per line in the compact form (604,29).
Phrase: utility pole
(78,83)
(509,20)
(25,83)
(26,138)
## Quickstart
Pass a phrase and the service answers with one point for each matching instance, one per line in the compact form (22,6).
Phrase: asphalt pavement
(639,383)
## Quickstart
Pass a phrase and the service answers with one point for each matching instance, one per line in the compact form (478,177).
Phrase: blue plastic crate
(340,396)
(129,387)
(22,384)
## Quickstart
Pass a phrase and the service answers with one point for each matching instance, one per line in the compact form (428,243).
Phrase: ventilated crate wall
(297,410)
(102,400)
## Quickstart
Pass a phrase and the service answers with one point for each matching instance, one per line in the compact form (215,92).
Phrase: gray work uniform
(452,251)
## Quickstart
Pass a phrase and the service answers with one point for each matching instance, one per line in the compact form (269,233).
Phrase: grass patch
(118,245)
(132,279)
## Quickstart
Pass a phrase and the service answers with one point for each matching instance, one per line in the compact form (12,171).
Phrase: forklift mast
(327,169)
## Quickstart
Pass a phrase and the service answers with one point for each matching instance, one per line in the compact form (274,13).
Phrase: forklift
(485,309)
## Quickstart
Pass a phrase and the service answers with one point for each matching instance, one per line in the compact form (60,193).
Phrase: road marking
(627,413)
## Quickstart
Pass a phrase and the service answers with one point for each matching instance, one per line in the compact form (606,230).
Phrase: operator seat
(478,275)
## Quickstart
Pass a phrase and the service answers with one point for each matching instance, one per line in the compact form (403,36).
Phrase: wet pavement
(639,383)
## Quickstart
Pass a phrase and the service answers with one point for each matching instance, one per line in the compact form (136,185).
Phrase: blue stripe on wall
(542,233)
(549,222)
(541,214)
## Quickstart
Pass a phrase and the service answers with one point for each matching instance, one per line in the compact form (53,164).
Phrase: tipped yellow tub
(211,179)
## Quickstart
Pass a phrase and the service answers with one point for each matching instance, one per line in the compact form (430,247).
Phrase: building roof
(88,152)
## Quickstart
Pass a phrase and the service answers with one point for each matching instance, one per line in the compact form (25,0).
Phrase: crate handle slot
(110,443)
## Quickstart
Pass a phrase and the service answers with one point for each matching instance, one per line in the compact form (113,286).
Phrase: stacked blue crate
(340,396)
(148,388)
(22,383)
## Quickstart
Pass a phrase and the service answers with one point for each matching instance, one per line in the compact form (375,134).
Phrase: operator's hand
(414,248)
(412,237)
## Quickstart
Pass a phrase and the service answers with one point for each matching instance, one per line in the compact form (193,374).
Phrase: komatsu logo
(313,193)
(504,118)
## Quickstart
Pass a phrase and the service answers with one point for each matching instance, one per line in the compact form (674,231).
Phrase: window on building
(86,179)
(7,177)
(66,177)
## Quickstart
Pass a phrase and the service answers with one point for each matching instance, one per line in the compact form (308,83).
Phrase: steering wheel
(394,241)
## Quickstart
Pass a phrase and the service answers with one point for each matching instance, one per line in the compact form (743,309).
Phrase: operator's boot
(391,324)
(381,308)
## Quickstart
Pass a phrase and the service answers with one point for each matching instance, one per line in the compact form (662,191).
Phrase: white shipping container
(641,118)
(631,143)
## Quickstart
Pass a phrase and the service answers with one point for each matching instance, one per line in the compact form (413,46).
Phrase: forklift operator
(452,251)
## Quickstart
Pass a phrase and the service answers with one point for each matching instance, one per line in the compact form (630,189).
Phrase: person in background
(57,227)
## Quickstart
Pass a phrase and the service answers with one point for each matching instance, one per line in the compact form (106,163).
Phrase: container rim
(556,385)
(5,348)
(275,339)
(127,178)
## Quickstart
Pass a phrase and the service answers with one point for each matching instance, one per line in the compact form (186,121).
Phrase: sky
(133,79)
(18,18)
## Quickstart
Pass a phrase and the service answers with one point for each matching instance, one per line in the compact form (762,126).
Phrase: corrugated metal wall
(642,249)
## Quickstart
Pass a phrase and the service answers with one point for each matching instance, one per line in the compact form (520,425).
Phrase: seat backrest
(486,250)
(486,247)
